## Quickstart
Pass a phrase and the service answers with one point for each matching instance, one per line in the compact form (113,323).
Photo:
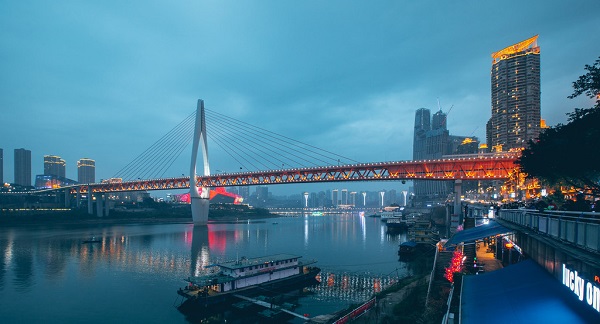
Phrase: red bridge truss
(466,167)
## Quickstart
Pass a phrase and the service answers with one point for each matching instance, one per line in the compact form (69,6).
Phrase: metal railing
(578,228)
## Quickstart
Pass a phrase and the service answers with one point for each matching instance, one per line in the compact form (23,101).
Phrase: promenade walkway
(490,263)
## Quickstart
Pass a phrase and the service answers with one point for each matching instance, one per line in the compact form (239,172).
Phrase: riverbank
(33,217)
(404,302)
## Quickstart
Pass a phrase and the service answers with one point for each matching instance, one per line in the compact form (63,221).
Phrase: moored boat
(246,277)
(407,248)
(396,223)
(387,215)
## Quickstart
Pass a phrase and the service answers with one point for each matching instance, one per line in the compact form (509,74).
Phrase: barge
(247,277)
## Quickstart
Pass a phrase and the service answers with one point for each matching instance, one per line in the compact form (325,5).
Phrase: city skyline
(352,80)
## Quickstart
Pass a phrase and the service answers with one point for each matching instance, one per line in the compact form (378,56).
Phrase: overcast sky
(106,79)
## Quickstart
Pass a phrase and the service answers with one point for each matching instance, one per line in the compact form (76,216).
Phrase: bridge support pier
(455,217)
(67,198)
(102,205)
(78,197)
(90,202)
(200,207)
(99,206)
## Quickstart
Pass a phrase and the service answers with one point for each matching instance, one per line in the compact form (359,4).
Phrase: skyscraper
(515,91)
(422,126)
(334,198)
(22,167)
(86,171)
(54,165)
(344,197)
(430,142)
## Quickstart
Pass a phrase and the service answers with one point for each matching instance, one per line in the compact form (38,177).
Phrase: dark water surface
(48,275)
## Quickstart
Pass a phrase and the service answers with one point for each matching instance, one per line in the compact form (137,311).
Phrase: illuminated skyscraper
(22,167)
(515,91)
(54,165)
(86,171)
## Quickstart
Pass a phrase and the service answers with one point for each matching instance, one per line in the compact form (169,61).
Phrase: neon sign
(585,290)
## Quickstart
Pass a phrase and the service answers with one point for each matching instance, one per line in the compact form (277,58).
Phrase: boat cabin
(248,267)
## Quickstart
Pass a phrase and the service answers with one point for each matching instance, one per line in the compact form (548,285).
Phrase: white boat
(246,275)
(390,214)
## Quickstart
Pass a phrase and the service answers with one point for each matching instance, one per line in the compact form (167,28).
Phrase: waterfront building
(52,181)
(22,167)
(86,171)
(54,166)
(515,90)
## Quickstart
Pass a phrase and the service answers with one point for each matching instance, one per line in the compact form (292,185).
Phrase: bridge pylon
(199,196)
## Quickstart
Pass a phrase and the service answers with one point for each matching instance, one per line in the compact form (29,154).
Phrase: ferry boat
(246,277)
(387,215)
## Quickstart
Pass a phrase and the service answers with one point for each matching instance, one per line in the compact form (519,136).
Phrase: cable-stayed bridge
(270,159)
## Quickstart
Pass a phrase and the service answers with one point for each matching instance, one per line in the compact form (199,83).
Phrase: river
(47,274)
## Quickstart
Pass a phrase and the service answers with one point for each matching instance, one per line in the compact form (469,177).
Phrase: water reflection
(355,253)
(24,254)
(352,288)
(200,249)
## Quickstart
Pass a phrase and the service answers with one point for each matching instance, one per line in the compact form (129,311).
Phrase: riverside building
(515,89)
(86,171)
(54,166)
(22,167)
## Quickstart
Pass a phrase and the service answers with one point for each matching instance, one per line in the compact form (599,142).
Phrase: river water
(48,275)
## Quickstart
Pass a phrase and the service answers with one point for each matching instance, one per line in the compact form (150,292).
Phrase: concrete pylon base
(200,210)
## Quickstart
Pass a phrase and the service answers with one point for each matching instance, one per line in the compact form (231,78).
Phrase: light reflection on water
(148,262)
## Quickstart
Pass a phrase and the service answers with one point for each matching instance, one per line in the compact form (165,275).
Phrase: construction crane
(447,113)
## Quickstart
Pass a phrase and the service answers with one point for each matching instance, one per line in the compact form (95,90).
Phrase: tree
(570,154)
(589,83)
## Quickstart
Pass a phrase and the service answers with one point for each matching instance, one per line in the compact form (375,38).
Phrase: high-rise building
(1,167)
(244,191)
(432,140)
(55,166)
(422,126)
(344,198)
(86,171)
(334,198)
(22,167)
(515,88)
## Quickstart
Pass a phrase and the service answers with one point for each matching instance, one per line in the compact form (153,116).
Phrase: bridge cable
(257,144)
(262,139)
(141,161)
(239,149)
(255,134)
(289,140)
(157,156)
